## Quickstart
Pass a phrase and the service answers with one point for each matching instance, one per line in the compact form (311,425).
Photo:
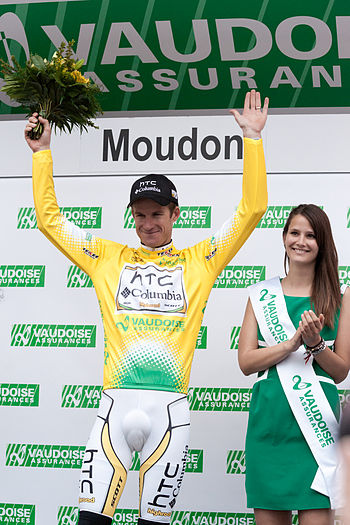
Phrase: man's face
(154,223)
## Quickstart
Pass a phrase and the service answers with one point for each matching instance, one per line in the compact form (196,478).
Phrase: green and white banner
(84,217)
(69,515)
(53,336)
(24,276)
(17,513)
(240,276)
(19,395)
(200,56)
(219,399)
(46,456)
(76,278)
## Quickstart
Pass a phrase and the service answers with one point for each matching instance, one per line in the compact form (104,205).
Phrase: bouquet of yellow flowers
(55,89)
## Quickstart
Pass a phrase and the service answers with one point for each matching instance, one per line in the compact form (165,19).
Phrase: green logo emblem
(219,399)
(235,462)
(81,396)
(84,217)
(67,516)
(299,384)
(202,338)
(344,274)
(16,395)
(234,337)
(190,217)
(17,513)
(54,335)
(240,276)
(48,456)
(265,295)
(275,217)
(76,278)
(22,276)
(26,219)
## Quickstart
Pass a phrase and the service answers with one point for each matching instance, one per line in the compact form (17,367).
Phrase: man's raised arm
(79,246)
(221,247)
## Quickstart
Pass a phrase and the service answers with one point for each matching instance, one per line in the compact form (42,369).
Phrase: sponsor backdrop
(51,334)
(197,56)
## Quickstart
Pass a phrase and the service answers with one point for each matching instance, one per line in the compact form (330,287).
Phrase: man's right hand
(253,117)
(44,141)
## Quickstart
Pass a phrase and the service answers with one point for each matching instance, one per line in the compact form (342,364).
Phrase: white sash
(301,387)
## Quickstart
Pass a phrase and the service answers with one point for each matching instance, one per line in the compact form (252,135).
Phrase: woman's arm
(252,359)
(337,363)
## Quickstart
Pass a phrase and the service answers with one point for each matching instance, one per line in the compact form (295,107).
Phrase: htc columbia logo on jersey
(147,288)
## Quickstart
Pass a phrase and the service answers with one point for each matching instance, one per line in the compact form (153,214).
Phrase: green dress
(279,465)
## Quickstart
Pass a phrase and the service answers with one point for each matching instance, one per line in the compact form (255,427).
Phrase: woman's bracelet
(314,350)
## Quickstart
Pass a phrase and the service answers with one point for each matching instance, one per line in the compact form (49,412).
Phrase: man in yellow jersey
(152,302)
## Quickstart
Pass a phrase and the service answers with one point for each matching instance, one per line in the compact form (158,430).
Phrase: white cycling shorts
(154,423)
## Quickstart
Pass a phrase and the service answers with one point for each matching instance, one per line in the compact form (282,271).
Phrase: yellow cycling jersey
(152,301)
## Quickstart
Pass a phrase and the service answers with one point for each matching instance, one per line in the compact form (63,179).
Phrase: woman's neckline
(298,296)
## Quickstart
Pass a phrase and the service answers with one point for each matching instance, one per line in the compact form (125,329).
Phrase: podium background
(215,481)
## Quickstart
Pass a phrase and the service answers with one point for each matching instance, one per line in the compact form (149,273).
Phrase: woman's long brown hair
(325,296)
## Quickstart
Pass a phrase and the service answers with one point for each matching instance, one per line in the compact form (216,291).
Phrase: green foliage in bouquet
(55,89)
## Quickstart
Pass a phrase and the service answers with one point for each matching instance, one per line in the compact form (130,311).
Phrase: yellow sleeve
(81,247)
(219,249)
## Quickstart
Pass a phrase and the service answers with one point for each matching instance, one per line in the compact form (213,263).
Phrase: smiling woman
(295,334)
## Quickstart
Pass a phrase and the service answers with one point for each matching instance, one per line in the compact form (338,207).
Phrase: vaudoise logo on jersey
(19,395)
(17,513)
(190,217)
(82,216)
(148,288)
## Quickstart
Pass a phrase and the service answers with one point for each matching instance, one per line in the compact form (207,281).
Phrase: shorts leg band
(91,518)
